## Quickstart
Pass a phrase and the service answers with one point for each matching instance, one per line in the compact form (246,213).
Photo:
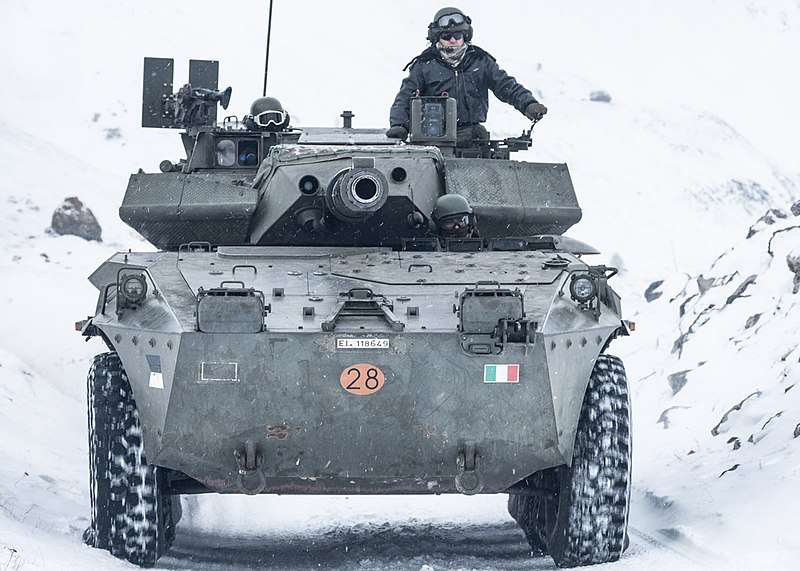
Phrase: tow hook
(468,481)
(251,479)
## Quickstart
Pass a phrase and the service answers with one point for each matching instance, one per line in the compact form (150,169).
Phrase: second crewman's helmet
(268,114)
(450,20)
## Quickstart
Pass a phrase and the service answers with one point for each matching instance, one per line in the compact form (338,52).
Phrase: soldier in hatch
(453,217)
(452,65)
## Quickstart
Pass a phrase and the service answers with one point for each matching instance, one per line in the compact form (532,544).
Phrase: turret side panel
(513,198)
(170,209)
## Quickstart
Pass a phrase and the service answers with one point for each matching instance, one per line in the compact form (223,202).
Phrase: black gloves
(397,132)
(535,111)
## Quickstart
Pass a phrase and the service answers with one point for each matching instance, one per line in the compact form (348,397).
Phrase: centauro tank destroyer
(306,328)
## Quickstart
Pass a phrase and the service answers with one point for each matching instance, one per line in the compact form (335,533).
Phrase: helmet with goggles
(449,20)
(452,215)
(267,113)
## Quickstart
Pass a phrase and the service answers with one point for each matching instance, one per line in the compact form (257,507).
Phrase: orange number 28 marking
(362,379)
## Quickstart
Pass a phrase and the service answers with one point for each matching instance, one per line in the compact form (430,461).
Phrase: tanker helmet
(267,113)
(449,20)
(453,216)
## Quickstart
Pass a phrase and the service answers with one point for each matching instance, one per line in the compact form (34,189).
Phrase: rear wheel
(132,516)
(585,522)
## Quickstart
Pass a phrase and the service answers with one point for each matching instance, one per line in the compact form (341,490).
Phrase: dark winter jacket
(469,84)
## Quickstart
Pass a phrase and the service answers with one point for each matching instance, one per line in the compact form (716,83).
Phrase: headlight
(133,288)
(582,287)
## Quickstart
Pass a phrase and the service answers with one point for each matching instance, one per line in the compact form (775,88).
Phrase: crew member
(453,217)
(453,65)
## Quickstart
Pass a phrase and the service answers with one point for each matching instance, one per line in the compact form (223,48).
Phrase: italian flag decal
(501,373)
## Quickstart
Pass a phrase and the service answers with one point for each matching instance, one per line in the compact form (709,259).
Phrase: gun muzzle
(358,193)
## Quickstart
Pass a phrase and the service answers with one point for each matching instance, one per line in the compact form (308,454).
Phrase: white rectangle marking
(156,380)
(219,372)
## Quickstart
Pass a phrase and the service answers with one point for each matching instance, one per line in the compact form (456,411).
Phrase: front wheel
(585,521)
(132,515)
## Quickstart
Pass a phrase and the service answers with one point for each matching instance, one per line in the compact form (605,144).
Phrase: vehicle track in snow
(409,545)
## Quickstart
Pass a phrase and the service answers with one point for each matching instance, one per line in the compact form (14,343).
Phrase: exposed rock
(752,320)
(664,418)
(72,217)
(773,417)
(677,347)
(716,430)
(797,431)
(770,217)
(731,469)
(678,380)
(735,441)
(781,231)
(601,96)
(704,284)
(682,308)
(651,293)
(740,290)
(702,318)
(793,261)
(795,208)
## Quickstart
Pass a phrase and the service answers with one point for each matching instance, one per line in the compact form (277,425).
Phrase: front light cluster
(583,287)
(133,288)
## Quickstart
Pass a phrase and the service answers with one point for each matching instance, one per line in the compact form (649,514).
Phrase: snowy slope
(698,142)
(718,398)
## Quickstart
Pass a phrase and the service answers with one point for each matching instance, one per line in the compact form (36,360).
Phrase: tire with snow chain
(132,515)
(585,522)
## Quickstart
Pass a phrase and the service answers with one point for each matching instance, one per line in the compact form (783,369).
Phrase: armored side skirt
(320,413)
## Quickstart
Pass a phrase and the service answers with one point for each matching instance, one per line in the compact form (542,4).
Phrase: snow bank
(717,390)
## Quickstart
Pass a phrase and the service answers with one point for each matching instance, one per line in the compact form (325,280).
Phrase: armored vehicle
(333,312)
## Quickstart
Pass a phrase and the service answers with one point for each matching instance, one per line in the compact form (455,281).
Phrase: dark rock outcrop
(793,261)
(652,293)
(72,217)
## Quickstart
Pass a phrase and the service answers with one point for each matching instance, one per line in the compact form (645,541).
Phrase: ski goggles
(450,20)
(451,36)
(270,118)
(454,222)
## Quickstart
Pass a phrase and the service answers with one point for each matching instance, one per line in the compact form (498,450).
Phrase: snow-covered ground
(700,139)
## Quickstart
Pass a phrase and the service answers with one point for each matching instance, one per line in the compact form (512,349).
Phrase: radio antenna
(269,34)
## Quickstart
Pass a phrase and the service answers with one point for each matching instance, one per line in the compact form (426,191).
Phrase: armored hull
(206,386)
